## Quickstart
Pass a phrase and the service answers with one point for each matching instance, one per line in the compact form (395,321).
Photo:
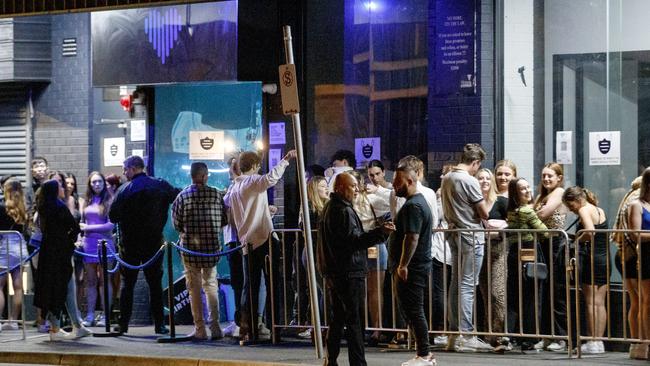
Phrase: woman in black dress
(60,232)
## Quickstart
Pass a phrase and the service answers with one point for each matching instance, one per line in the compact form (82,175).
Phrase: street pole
(311,269)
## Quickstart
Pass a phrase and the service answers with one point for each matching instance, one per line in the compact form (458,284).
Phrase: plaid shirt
(198,214)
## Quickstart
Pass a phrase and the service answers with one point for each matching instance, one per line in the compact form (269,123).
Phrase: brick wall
(63,108)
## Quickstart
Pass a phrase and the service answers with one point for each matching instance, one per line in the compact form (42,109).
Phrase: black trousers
(555,251)
(530,310)
(345,299)
(153,274)
(410,295)
(438,293)
(236,278)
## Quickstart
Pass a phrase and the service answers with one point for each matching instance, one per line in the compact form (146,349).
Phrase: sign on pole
(289,89)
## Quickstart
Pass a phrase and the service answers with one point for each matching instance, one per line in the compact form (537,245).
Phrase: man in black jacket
(342,259)
(140,211)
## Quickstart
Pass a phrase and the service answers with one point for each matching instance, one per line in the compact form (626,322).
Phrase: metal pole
(295,118)
(103,255)
(170,301)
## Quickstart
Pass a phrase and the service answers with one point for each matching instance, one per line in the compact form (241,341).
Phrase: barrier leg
(104,258)
(172,338)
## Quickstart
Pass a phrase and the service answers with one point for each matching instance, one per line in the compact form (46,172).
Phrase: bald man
(342,259)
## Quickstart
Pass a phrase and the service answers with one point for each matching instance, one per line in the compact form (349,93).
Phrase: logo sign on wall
(366,149)
(114,151)
(206,145)
(605,148)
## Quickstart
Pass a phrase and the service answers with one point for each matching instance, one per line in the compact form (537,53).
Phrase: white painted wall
(518,99)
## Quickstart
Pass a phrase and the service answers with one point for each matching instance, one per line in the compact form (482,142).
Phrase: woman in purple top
(96,227)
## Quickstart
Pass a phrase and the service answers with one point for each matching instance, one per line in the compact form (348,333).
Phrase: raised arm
(553,202)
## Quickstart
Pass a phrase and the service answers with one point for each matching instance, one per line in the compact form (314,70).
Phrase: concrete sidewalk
(139,347)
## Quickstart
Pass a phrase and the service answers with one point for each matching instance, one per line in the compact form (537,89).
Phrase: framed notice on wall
(605,148)
(114,151)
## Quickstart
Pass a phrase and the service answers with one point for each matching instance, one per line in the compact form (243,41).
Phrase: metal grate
(12,8)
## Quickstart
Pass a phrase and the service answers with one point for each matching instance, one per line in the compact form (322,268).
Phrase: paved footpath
(139,347)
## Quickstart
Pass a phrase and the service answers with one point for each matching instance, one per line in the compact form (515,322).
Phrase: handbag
(536,270)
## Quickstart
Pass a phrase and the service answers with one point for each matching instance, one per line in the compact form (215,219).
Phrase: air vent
(69,47)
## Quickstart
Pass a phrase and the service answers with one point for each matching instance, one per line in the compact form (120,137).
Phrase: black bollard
(103,253)
(170,303)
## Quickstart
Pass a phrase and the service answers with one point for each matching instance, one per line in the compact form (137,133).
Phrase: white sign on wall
(366,149)
(275,155)
(138,152)
(605,148)
(564,147)
(276,133)
(206,145)
(138,130)
(114,151)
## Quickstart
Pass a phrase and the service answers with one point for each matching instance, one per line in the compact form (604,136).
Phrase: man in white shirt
(342,161)
(249,207)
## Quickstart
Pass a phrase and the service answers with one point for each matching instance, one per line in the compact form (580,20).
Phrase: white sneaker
(559,346)
(232,330)
(80,332)
(198,334)
(541,345)
(100,321)
(600,346)
(440,340)
(306,334)
(9,326)
(60,335)
(473,344)
(592,348)
(418,361)
(263,330)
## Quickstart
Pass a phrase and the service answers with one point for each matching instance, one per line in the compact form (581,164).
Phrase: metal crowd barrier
(290,290)
(9,250)
(585,256)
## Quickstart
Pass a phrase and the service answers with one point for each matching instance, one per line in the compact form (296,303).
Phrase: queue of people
(375,238)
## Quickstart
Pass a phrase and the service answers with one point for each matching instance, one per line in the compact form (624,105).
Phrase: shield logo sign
(207,143)
(114,149)
(604,145)
(366,150)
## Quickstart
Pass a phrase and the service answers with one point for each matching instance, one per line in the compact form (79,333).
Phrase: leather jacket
(342,247)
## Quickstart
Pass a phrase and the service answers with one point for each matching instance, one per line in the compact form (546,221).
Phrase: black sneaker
(121,329)
(162,330)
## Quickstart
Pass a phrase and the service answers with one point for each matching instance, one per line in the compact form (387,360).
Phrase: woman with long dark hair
(96,227)
(60,232)
(522,216)
(13,216)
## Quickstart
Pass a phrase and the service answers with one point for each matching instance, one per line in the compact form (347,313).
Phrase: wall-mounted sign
(138,152)
(277,134)
(275,155)
(605,148)
(454,47)
(114,151)
(138,130)
(564,147)
(366,149)
(206,145)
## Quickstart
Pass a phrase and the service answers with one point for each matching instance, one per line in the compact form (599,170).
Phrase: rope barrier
(132,267)
(82,254)
(200,254)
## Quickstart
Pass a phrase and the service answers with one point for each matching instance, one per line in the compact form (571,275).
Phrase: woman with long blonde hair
(13,216)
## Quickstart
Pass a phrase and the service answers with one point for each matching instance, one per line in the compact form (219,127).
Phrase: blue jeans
(467,263)
(71,303)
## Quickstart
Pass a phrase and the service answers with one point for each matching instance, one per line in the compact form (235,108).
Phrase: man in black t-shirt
(410,259)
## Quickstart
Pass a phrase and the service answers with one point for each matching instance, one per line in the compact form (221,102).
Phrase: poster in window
(564,147)
(206,145)
(605,148)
